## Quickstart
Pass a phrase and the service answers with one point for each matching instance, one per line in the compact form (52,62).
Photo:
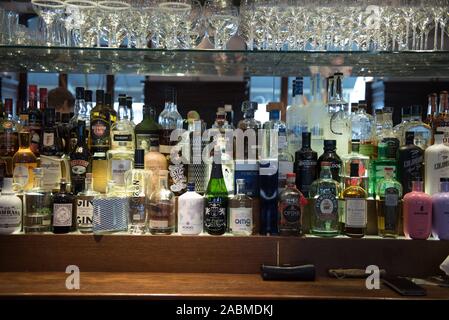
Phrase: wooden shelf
(100,285)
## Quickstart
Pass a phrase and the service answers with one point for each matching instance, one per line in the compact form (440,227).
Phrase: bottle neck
(417,186)
(217,172)
(88,185)
(63,187)
(444,186)
(122,113)
(240,189)
(6,189)
(25,140)
(81,140)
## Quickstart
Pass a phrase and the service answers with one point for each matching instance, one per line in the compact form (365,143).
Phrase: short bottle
(440,211)
(84,206)
(325,192)
(417,212)
(10,208)
(355,211)
(63,210)
(241,211)
(161,208)
(388,201)
(290,207)
(190,211)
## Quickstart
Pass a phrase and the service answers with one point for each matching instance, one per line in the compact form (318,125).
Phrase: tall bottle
(272,129)
(161,205)
(330,155)
(268,179)
(84,206)
(436,163)
(417,212)
(291,208)
(64,213)
(190,212)
(306,161)
(325,192)
(34,119)
(38,204)
(296,117)
(362,125)
(388,201)
(285,159)
(9,137)
(410,162)
(440,211)
(196,169)
(80,158)
(241,220)
(355,209)
(24,161)
(80,114)
(249,123)
(215,213)
(10,208)
(317,113)
(377,167)
(432,111)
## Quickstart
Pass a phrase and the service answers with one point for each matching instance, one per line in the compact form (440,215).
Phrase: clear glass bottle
(296,119)
(362,125)
(440,211)
(241,212)
(249,123)
(290,209)
(271,135)
(84,206)
(388,203)
(38,204)
(285,159)
(377,167)
(190,212)
(10,208)
(355,157)
(436,164)
(24,161)
(161,208)
(422,131)
(387,134)
(325,192)
(417,212)
(64,218)
(405,119)
(169,120)
(355,206)
(317,113)
(137,182)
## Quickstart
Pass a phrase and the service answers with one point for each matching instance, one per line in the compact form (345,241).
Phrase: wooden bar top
(149,286)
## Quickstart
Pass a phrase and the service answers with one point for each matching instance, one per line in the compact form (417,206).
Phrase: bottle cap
(88,95)
(354,169)
(139,158)
(191,186)
(444,179)
(330,144)
(99,96)
(275,115)
(79,91)
(249,105)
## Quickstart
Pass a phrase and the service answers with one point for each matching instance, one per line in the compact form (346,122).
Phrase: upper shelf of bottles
(221,63)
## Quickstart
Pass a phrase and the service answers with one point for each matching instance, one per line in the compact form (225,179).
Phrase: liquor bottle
(339,128)
(9,137)
(432,111)
(80,160)
(80,114)
(23,114)
(100,141)
(305,165)
(89,106)
(440,211)
(377,167)
(215,212)
(436,163)
(417,212)
(285,159)
(196,169)
(10,208)
(355,208)
(38,204)
(268,178)
(43,99)
(325,192)
(129,110)
(108,102)
(317,113)
(387,134)
(422,131)
(229,115)
(64,218)
(442,120)
(84,207)
(271,131)
(410,162)
(51,152)
(190,212)
(147,130)
(34,120)
(405,119)
(161,208)
(241,211)
(296,117)
(355,157)
(169,120)
(137,182)
(290,207)
(154,160)
(330,155)
(379,121)
(249,123)
(388,202)
(362,125)
(24,161)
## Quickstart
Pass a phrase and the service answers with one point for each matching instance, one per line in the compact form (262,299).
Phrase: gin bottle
(63,210)
(296,117)
(241,212)
(305,165)
(378,166)
(84,206)
(291,208)
(317,114)
(190,212)
(330,155)
(362,125)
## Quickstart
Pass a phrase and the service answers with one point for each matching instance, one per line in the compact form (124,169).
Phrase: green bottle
(378,166)
(147,130)
(215,211)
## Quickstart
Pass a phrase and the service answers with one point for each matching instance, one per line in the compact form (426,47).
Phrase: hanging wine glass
(49,10)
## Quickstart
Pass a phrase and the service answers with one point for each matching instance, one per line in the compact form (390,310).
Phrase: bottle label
(391,210)
(326,207)
(284,168)
(23,174)
(79,166)
(215,215)
(355,213)
(10,216)
(137,209)
(62,214)
(119,167)
(143,141)
(51,168)
(122,139)
(178,177)
(241,220)
(190,215)
(99,132)
(291,214)
(84,212)
(49,139)
(158,224)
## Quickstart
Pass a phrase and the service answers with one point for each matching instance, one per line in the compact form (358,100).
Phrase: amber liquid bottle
(24,161)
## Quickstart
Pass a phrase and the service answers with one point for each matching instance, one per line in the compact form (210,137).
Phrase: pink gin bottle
(440,214)
(417,212)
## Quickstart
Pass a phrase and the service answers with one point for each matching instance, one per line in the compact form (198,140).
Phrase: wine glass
(82,13)
(114,13)
(49,10)
(172,22)
(223,21)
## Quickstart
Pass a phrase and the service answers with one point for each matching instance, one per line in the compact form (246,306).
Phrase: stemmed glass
(49,10)
(82,14)
(172,22)
(113,16)
(223,20)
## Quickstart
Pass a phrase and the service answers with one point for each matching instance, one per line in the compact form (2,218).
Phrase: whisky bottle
(362,125)
(241,212)
(10,208)
(355,207)
(64,218)
(34,120)
(305,165)
(38,204)
(290,208)
(24,161)
(388,201)
(441,122)
(84,206)
(9,137)
(330,155)
(410,162)
(161,208)
(80,158)
(190,212)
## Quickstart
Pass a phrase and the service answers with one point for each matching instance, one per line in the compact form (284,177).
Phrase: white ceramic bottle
(190,212)
(10,209)
(436,159)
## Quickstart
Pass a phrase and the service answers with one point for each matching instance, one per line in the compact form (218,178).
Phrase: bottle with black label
(410,162)
(80,160)
(215,212)
(305,165)
(63,210)
(330,155)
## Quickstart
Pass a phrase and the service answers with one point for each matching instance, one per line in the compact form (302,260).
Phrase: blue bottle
(268,171)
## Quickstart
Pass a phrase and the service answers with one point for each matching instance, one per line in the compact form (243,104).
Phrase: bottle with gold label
(24,161)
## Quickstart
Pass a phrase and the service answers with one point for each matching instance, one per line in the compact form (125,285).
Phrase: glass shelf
(221,63)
